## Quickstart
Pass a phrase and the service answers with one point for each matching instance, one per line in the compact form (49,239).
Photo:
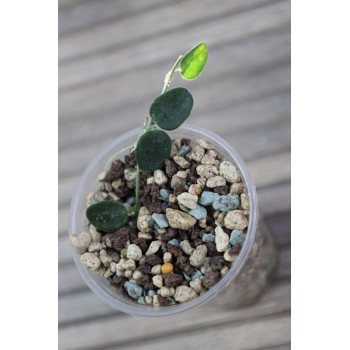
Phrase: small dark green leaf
(194,61)
(152,149)
(108,216)
(172,108)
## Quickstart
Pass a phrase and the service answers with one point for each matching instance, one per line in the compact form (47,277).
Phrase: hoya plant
(167,112)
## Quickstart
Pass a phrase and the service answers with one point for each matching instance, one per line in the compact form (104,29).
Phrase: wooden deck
(113,56)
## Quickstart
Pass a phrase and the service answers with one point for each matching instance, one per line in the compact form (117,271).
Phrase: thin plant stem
(169,76)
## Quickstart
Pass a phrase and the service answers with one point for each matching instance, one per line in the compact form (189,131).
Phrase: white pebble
(159,177)
(182,162)
(150,180)
(142,217)
(188,200)
(181,174)
(229,257)
(205,266)
(149,300)
(237,188)
(235,220)
(196,285)
(95,235)
(156,270)
(167,257)
(124,251)
(221,239)
(129,265)
(144,235)
(229,172)
(216,181)
(205,144)
(184,294)
(206,171)
(197,153)
(156,301)
(134,252)
(95,247)
(244,201)
(186,247)
(128,273)
(153,247)
(165,292)
(157,281)
(195,189)
(137,274)
(198,256)
(108,273)
(224,271)
(106,260)
(113,266)
(91,261)
(81,241)
(130,174)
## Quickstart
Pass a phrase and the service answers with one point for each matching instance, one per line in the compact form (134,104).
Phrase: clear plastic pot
(239,284)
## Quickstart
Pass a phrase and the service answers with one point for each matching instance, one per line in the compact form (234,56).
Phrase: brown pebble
(155,207)
(217,262)
(198,242)
(196,234)
(235,249)
(223,190)
(184,264)
(145,268)
(163,301)
(210,279)
(170,167)
(174,206)
(169,234)
(175,250)
(185,142)
(118,281)
(154,191)
(146,282)
(173,280)
(122,192)
(130,160)
(178,190)
(120,238)
(142,244)
(183,235)
(211,249)
(116,171)
(153,260)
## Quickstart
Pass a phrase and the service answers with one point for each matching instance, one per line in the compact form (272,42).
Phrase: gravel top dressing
(188,231)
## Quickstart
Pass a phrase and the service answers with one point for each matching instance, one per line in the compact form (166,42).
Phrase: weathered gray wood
(140,26)
(98,334)
(88,69)
(280,227)
(78,15)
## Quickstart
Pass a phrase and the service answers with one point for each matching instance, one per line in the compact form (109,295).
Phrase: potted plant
(174,218)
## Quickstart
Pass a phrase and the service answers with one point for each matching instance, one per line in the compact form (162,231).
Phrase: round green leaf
(107,216)
(152,149)
(194,61)
(172,108)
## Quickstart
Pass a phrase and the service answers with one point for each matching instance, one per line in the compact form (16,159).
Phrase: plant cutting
(169,221)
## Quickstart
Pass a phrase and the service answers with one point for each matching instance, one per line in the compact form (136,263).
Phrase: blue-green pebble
(183,151)
(150,221)
(151,293)
(236,237)
(188,278)
(208,238)
(197,274)
(131,200)
(208,198)
(171,301)
(160,220)
(132,224)
(174,241)
(226,203)
(141,300)
(165,206)
(164,195)
(183,208)
(133,290)
(186,187)
(199,212)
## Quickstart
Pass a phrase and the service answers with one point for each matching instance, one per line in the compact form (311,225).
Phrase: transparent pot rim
(150,311)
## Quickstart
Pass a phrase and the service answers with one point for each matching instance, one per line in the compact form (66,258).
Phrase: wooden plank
(114,104)
(228,68)
(89,69)
(78,15)
(70,281)
(86,307)
(140,26)
(274,199)
(97,334)
(266,333)
(280,227)
(258,111)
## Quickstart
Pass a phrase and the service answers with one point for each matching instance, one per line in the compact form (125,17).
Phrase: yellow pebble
(167,268)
